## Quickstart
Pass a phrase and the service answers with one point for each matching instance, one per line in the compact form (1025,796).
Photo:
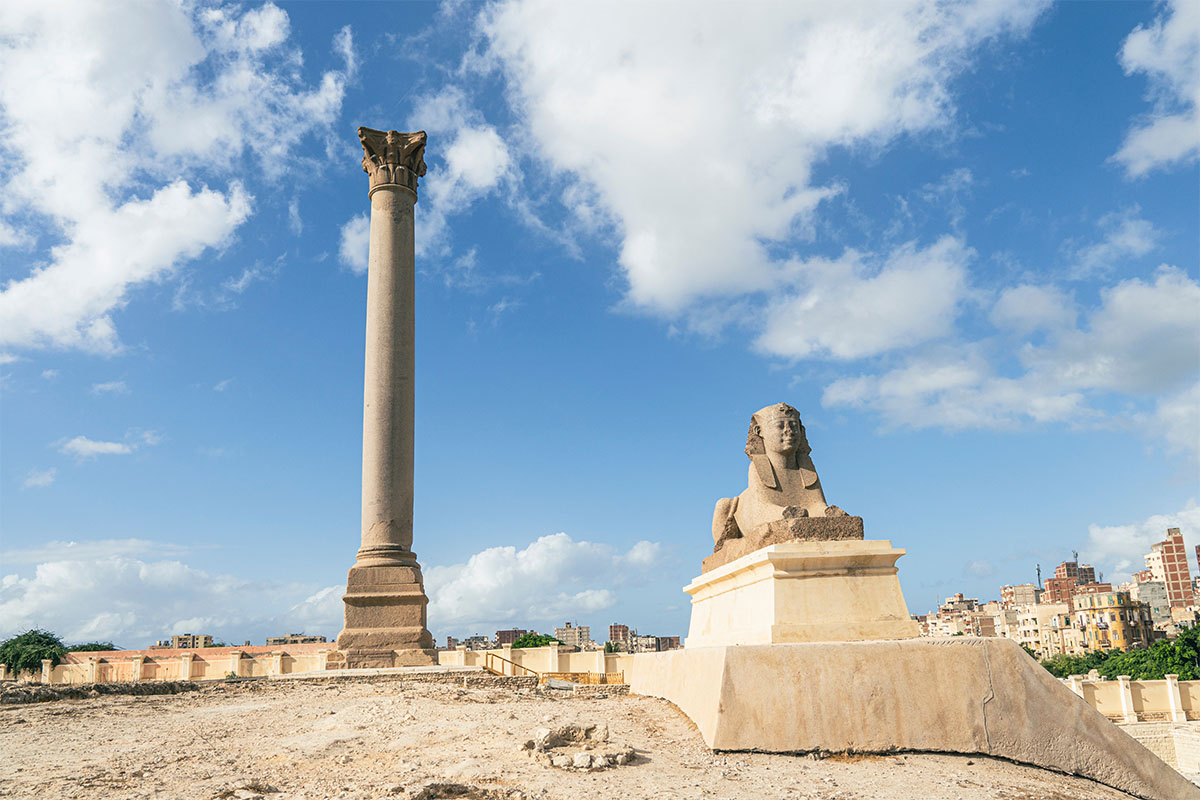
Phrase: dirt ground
(287,740)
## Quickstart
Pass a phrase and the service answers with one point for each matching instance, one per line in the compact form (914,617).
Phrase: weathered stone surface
(579,746)
(788,529)
(782,482)
(811,591)
(982,696)
(385,601)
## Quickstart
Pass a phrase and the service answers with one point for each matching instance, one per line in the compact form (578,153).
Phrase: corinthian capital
(392,157)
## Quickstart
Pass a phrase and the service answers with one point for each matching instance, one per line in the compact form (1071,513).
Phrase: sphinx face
(781,434)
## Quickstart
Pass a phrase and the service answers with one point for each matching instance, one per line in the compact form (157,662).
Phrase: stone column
(1076,684)
(93,668)
(47,670)
(277,662)
(235,663)
(1127,712)
(3,672)
(185,666)
(385,595)
(1174,701)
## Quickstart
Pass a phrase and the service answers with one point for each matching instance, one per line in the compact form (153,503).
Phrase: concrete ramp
(961,695)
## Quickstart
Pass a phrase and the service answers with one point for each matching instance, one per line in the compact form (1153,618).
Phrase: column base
(385,619)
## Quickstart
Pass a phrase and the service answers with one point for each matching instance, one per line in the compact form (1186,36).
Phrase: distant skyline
(961,238)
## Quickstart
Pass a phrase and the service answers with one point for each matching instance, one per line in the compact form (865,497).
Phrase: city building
(644,644)
(451,643)
(577,636)
(478,642)
(668,643)
(1112,620)
(1022,594)
(619,635)
(509,636)
(295,638)
(1168,562)
(1071,578)
(187,641)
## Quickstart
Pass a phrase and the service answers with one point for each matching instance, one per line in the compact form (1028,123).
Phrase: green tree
(25,652)
(532,639)
(88,647)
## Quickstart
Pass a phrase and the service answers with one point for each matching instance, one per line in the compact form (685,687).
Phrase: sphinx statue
(783,499)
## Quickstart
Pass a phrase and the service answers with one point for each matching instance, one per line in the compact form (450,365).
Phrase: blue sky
(960,238)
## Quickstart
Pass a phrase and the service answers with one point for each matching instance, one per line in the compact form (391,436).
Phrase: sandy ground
(385,738)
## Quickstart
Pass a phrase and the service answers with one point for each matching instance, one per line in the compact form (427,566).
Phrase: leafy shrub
(25,652)
(535,640)
(89,647)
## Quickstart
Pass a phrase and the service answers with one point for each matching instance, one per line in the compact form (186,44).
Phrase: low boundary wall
(1127,701)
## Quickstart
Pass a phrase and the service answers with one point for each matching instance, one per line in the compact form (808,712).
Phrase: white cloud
(133,602)
(1119,549)
(471,163)
(221,386)
(355,244)
(554,577)
(1176,420)
(49,374)
(696,133)
(847,308)
(83,448)
(134,591)
(1125,235)
(39,479)
(1142,340)
(1024,309)
(1168,53)
(110,387)
(139,95)
(87,551)
(295,223)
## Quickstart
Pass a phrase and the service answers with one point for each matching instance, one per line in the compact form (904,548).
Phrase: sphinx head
(777,429)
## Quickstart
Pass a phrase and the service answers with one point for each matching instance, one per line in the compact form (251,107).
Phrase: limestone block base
(385,620)
(826,591)
(960,695)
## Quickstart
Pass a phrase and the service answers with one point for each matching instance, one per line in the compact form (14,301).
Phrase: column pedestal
(385,619)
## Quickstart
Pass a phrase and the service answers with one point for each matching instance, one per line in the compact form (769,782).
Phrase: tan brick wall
(1158,737)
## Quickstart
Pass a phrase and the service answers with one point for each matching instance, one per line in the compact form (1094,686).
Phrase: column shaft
(388,394)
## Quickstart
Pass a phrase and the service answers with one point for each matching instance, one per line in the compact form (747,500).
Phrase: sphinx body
(782,483)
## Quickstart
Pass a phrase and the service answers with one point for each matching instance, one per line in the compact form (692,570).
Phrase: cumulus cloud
(170,91)
(355,244)
(554,577)
(1119,549)
(695,131)
(471,163)
(1025,309)
(847,308)
(133,602)
(1124,235)
(1167,52)
(39,478)
(134,591)
(1143,340)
